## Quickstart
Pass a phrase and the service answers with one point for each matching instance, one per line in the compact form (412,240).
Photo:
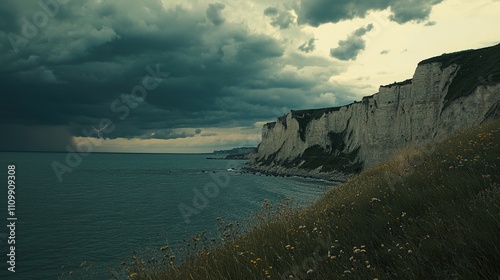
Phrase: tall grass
(432,212)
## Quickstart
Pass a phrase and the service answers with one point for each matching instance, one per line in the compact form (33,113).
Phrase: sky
(166,76)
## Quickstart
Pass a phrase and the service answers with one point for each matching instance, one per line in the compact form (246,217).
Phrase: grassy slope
(430,213)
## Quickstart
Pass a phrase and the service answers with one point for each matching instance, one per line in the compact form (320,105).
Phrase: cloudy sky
(194,76)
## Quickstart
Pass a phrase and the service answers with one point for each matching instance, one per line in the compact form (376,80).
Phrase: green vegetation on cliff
(477,68)
(431,212)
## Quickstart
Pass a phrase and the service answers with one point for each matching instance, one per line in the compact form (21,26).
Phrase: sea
(105,208)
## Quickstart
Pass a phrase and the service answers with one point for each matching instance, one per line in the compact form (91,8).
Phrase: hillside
(428,213)
(447,93)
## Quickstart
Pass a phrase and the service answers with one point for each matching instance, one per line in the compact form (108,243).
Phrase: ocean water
(112,205)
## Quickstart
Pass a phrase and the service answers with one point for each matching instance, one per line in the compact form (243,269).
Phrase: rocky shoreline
(334,176)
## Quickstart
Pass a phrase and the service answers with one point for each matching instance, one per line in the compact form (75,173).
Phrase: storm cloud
(308,46)
(350,48)
(195,71)
(84,64)
(214,13)
(279,17)
(317,12)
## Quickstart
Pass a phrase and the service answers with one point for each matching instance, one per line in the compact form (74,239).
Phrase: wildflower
(258,259)
(133,275)
(410,251)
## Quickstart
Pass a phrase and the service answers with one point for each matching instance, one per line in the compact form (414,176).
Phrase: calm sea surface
(111,205)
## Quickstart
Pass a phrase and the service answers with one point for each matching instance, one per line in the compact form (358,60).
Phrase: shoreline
(278,171)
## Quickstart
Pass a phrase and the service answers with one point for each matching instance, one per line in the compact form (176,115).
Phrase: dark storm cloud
(317,12)
(308,46)
(214,13)
(408,10)
(279,18)
(34,138)
(350,48)
(91,55)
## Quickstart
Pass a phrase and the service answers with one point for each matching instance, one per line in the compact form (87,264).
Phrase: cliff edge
(447,93)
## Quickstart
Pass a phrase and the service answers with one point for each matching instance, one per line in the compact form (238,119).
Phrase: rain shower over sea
(114,205)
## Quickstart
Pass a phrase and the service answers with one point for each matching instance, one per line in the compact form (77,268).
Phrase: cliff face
(434,103)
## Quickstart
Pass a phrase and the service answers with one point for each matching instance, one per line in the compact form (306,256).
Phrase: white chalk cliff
(446,93)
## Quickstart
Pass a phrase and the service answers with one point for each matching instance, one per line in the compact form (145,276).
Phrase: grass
(431,212)
(405,82)
(477,68)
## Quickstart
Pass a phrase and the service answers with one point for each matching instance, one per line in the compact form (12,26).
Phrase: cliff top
(462,57)
(477,67)
(405,82)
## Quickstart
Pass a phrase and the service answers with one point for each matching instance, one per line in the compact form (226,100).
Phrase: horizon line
(61,152)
